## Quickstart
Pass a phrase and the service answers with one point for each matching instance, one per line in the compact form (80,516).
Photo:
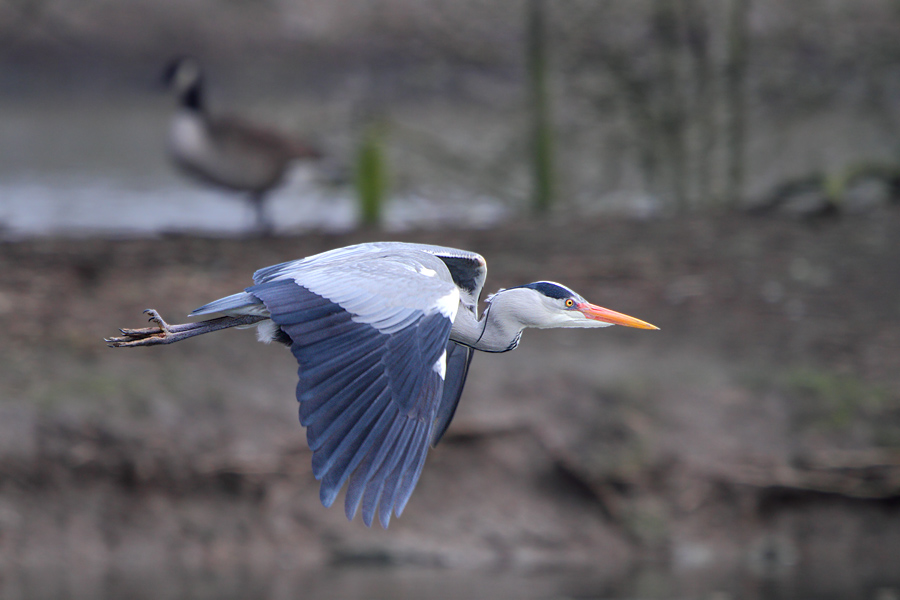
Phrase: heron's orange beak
(598,313)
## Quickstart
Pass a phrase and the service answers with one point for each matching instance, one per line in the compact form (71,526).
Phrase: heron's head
(545,304)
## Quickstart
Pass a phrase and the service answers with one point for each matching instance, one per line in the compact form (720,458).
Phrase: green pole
(371,175)
(542,134)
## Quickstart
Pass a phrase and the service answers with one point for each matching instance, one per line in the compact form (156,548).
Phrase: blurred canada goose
(226,151)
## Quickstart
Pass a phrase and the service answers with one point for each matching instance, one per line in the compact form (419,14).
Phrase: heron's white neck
(498,329)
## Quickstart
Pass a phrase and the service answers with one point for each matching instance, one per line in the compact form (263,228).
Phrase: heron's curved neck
(498,329)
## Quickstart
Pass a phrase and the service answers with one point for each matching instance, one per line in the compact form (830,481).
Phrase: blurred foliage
(858,183)
(837,405)
(824,399)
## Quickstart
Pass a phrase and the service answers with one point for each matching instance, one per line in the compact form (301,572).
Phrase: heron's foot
(160,333)
(163,333)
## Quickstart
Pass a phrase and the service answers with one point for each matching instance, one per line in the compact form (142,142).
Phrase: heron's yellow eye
(569,303)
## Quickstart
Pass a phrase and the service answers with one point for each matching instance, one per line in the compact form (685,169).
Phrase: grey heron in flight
(384,334)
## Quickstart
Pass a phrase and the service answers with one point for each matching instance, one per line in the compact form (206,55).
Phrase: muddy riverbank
(757,435)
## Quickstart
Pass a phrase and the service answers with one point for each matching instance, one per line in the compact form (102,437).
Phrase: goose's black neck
(192,98)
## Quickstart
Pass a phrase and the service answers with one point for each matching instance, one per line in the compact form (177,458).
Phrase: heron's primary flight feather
(459,357)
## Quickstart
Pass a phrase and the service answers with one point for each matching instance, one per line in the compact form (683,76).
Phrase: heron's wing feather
(331,260)
(468,271)
(459,358)
(371,367)
(286,269)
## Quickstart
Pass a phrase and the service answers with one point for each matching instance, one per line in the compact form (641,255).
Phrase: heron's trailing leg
(163,333)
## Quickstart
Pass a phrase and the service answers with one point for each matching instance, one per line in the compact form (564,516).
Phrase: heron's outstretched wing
(370,333)
(459,358)
(468,271)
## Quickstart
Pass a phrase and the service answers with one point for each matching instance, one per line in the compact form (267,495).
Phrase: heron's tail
(241,303)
